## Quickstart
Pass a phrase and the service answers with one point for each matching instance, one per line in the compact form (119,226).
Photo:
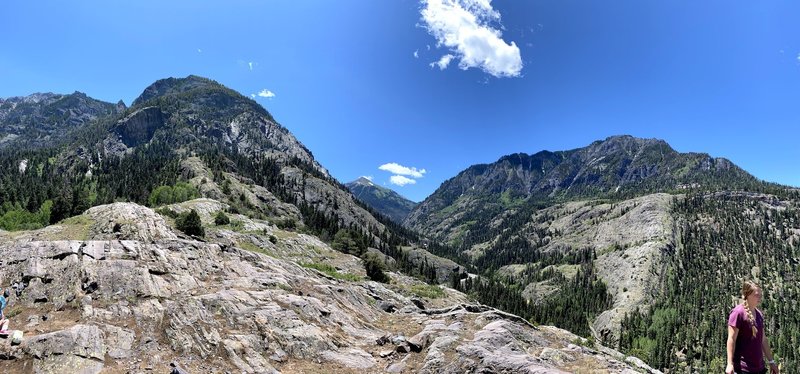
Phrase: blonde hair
(748,287)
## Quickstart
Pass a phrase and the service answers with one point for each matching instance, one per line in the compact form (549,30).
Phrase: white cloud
(464,27)
(266,93)
(367,177)
(253,95)
(250,64)
(798,57)
(396,168)
(199,50)
(416,54)
(443,62)
(401,180)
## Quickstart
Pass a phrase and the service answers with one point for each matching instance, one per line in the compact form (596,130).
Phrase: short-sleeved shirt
(747,354)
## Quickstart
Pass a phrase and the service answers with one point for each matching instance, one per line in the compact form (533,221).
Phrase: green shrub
(345,241)
(189,222)
(375,268)
(286,224)
(221,218)
(167,212)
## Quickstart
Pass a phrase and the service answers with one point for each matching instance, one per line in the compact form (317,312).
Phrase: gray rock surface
(140,298)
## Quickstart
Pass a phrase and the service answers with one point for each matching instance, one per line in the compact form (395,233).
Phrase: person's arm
(733,332)
(768,353)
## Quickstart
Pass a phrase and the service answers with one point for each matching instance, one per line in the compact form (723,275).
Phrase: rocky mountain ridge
(44,118)
(382,199)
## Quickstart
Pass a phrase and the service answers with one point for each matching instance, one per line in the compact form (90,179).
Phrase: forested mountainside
(594,239)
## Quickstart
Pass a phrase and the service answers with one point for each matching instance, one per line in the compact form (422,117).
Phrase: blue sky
(719,77)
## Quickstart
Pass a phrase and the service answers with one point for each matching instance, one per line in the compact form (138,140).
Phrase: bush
(189,222)
(345,241)
(286,224)
(221,218)
(375,268)
(167,212)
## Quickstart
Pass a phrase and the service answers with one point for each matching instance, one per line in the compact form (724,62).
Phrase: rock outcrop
(133,295)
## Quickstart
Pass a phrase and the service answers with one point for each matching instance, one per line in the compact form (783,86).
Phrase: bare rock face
(129,221)
(139,126)
(79,349)
(135,297)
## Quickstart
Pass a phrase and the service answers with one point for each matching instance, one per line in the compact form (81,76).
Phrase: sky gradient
(360,83)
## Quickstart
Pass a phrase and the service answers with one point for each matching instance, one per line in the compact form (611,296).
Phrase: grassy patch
(427,291)
(76,228)
(283,234)
(13,312)
(254,248)
(331,271)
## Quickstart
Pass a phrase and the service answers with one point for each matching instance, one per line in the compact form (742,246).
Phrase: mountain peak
(363,181)
(384,200)
(173,85)
(626,141)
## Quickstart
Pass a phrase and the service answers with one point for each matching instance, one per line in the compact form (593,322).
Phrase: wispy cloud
(199,50)
(465,28)
(396,168)
(443,62)
(264,93)
(416,54)
(401,180)
(250,64)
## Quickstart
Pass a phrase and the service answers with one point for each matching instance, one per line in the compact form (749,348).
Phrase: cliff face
(117,289)
(139,127)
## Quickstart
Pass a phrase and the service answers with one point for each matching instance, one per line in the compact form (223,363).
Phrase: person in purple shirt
(747,345)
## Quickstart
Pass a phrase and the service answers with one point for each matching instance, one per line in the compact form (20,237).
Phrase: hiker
(3,304)
(747,343)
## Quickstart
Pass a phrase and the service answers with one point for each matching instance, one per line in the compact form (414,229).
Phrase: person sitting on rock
(3,304)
